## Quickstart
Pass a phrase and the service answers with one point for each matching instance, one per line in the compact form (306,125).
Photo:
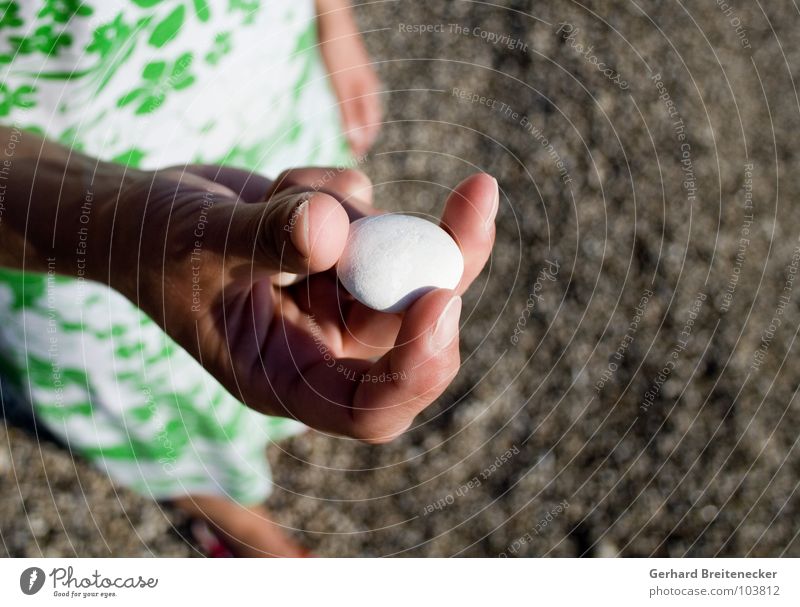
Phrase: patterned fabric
(150,83)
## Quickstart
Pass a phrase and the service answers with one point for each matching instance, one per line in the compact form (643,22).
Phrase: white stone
(391,260)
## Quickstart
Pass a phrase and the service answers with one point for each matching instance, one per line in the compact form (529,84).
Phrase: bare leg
(246,530)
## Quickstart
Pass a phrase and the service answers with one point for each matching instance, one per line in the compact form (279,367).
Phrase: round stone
(392,260)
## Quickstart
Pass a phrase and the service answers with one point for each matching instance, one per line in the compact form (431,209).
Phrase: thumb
(298,232)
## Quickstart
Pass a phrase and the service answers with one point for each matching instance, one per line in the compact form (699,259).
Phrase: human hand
(352,76)
(203,251)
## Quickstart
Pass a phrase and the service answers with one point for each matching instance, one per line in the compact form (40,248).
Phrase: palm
(310,351)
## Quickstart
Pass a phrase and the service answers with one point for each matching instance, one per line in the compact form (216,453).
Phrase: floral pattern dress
(150,83)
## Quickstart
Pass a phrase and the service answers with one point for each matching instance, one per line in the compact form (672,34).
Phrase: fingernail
(300,229)
(446,327)
(285,279)
(495,206)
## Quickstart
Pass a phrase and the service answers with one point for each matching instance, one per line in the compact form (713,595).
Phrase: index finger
(350,187)
(469,218)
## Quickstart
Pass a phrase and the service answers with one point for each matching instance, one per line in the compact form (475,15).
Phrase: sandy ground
(622,391)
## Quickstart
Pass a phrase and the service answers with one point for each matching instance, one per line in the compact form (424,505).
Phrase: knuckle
(374,429)
(353,182)
(257,234)
(284,179)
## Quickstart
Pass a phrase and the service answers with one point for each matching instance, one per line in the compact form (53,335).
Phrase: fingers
(300,233)
(356,331)
(361,117)
(292,238)
(374,403)
(469,218)
(367,333)
(349,186)
(249,186)
(414,373)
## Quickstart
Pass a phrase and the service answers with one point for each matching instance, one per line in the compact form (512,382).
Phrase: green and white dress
(150,83)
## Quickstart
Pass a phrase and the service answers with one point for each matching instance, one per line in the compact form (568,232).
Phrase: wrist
(331,5)
(97,212)
(57,206)
(335,19)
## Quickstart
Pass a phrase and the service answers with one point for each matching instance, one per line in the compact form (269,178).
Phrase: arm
(201,249)
(351,72)
(43,187)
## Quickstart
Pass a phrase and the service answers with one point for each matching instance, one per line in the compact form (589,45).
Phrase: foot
(224,528)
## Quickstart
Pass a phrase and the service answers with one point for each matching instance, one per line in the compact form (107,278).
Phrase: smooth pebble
(392,260)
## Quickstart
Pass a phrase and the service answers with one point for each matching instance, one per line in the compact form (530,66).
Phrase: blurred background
(628,384)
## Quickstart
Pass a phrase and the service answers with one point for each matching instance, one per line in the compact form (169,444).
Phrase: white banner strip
(399,582)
